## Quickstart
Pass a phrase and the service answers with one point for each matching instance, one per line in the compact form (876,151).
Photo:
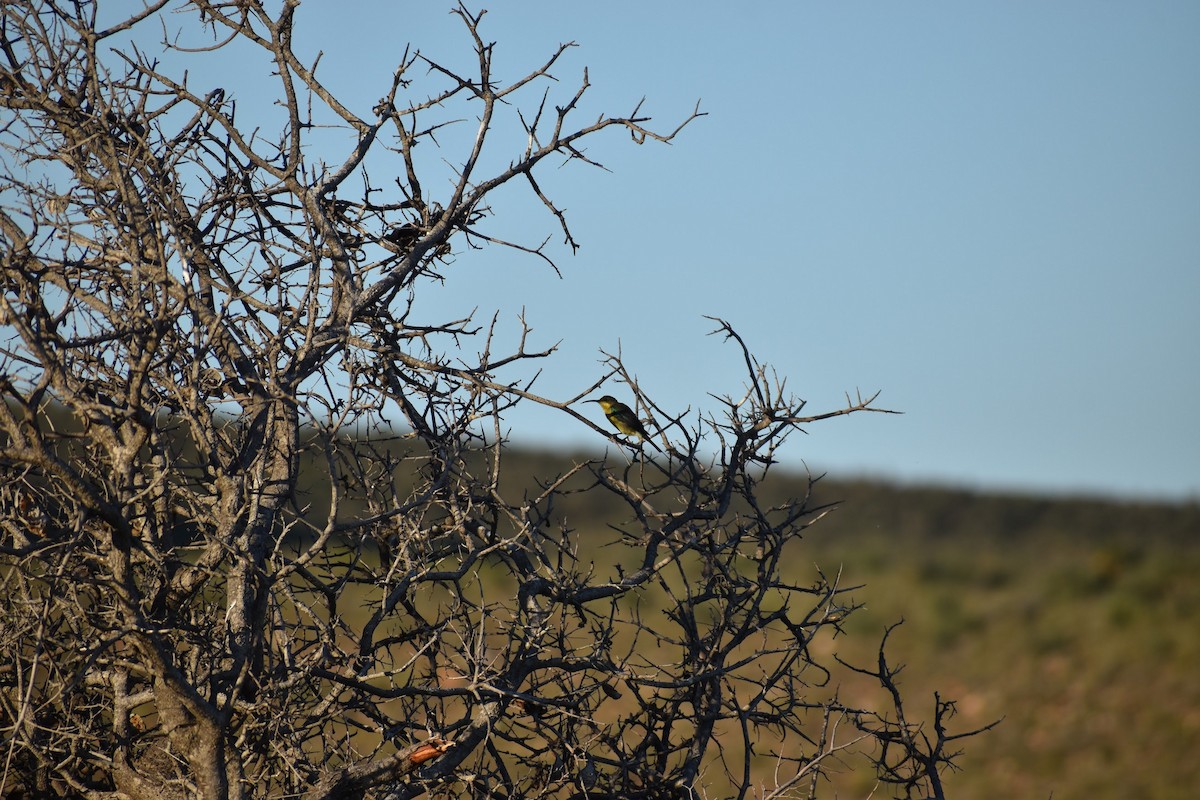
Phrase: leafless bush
(199,315)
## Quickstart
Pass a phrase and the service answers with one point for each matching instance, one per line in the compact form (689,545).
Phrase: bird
(621,416)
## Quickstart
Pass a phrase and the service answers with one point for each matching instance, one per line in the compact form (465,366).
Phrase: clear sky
(988,211)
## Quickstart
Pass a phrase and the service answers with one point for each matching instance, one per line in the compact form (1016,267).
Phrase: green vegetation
(1077,620)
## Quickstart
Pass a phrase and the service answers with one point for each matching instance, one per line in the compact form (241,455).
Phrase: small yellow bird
(621,416)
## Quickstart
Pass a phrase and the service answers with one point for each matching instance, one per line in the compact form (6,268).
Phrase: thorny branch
(259,534)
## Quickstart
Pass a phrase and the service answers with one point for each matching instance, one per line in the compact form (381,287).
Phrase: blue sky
(990,212)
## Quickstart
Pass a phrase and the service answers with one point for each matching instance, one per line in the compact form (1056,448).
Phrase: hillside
(1077,620)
